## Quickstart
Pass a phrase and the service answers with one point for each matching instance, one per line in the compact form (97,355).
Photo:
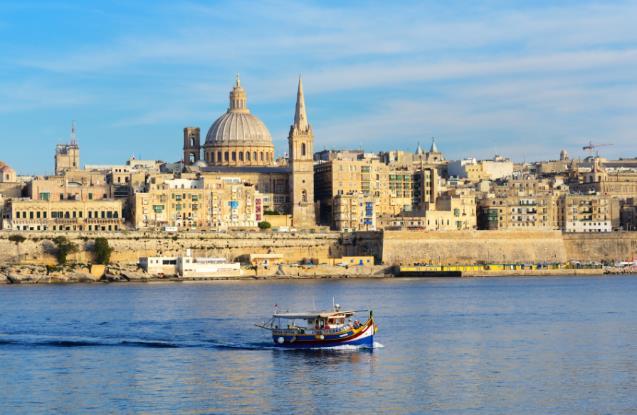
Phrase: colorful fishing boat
(321,329)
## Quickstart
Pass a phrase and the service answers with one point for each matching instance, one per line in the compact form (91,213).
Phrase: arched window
(225,155)
(255,158)
(219,156)
(304,196)
(247,155)
(302,149)
(191,159)
(192,141)
(234,156)
(241,156)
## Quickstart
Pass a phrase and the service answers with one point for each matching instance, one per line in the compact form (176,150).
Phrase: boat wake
(85,342)
(33,341)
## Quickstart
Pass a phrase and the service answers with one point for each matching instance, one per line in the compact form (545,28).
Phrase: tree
(102,251)
(17,240)
(64,247)
(264,225)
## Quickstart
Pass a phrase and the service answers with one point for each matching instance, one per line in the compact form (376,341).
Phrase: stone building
(197,202)
(397,188)
(67,156)
(529,212)
(71,185)
(366,177)
(454,210)
(65,215)
(7,174)
(476,170)
(628,215)
(619,182)
(589,213)
(125,179)
(9,184)
(239,145)
(354,212)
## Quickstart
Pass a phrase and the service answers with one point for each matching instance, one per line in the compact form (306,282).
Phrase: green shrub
(63,248)
(17,239)
(102,251)
(265,225)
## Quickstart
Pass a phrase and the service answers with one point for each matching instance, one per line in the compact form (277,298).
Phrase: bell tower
(301,141)
(192,145)
(67,156)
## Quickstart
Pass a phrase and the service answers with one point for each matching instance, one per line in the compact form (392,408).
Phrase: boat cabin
(319,322)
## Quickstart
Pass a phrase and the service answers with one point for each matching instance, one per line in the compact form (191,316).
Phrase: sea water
(563,345)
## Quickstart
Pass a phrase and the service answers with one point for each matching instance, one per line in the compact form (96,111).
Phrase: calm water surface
(471,346)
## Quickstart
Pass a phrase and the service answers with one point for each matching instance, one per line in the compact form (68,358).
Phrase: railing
(310,331)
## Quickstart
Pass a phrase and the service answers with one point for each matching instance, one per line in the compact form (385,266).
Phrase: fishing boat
(321,329)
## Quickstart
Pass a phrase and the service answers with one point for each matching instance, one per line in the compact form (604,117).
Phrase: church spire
(434,147)
(300,116)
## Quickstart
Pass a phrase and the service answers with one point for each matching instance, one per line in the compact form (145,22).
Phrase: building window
(303,149)
(226,156)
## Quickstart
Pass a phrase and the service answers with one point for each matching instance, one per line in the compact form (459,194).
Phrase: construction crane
(590,147)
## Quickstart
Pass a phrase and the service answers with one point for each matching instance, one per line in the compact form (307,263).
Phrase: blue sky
(522,79)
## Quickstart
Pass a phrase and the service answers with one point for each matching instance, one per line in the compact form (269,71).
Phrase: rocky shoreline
(82,273)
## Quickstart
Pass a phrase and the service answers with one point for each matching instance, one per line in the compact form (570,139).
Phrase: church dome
(238,128)
(238,138)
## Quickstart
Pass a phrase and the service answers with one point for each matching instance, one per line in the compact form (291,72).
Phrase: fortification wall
(404,247)
(128,247)
(616,246)
(390,247)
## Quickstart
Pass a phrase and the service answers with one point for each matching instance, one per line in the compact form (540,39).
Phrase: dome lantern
(238,98)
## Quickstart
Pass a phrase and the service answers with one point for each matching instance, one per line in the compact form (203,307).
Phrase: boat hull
(361,337)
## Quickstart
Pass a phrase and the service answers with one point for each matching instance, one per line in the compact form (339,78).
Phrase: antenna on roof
(73,134)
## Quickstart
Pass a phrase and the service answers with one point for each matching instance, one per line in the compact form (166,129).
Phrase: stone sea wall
(400,247)
(390,247)
(506,246)
(128,247)
(601,246)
